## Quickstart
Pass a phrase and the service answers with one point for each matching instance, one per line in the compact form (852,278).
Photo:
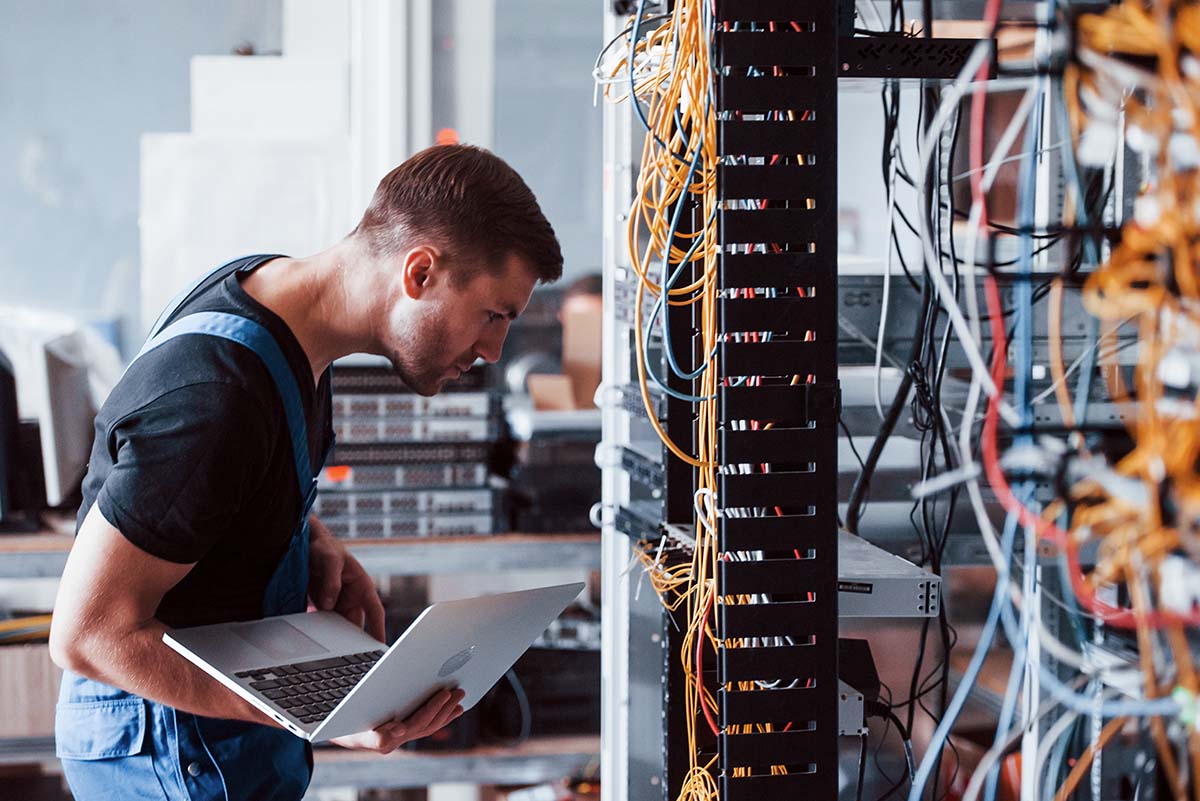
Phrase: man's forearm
(140,662)
(104,626)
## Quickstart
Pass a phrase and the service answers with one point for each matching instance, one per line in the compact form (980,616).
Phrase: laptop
(320,676)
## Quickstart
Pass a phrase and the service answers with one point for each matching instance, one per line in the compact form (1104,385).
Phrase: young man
(195,507)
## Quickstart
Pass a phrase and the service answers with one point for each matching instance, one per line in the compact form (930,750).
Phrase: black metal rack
(795,619)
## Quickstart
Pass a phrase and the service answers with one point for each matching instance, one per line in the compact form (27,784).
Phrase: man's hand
(337,581)
(437,712)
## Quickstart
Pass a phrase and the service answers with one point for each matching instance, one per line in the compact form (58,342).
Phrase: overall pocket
(88,730)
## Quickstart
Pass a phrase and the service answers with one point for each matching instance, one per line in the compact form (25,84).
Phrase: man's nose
(489,349)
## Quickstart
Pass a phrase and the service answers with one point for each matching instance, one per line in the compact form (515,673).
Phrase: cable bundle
(673,249)
(1132,79)
(1151,282)
(1129,75)
(31,628)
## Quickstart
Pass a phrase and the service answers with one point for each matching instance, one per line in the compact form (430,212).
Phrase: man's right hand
(437,712)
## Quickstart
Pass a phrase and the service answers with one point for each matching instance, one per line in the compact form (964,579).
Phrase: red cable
(712,723)
(1121,617)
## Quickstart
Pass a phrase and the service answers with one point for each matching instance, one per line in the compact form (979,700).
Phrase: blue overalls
(116,745)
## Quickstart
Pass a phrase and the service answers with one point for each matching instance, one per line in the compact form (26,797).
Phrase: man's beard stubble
(423,382)
(416,353)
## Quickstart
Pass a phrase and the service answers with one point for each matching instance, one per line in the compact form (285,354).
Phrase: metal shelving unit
(43,555)
(539,759)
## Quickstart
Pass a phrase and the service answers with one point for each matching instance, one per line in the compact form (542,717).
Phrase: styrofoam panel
(270,95)
(206,200)
(316,28)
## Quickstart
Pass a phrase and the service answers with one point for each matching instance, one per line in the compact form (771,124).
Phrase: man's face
(436,333)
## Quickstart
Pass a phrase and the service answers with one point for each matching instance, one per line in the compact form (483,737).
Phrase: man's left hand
(337,581)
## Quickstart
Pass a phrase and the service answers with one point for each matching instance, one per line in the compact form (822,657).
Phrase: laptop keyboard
(309,690)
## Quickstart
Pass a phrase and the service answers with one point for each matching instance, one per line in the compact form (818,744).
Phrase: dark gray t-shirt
(192,461)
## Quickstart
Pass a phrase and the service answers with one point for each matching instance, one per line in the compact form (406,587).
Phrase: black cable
(1049,243)
(862,768)
(915,681)
(942,437)
(894,788)
(862,483)
(928,372)
(877,709)
(926,687)
(850,441)
(900,258)
(886,694)
(523,704)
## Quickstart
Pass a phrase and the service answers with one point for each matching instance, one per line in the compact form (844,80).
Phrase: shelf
(429,555)
(538,760)
(42,555)
(26,750)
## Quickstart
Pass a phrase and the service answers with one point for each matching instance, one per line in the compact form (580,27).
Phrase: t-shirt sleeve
(182,467)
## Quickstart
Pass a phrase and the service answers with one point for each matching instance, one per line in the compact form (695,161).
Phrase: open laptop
(322,677)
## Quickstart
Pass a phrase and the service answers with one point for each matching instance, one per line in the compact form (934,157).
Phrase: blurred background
(142,144)
(159,139)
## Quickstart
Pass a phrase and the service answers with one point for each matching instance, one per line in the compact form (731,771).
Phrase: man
(192,512)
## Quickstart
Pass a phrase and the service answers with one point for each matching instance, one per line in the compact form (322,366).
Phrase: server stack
(406,465)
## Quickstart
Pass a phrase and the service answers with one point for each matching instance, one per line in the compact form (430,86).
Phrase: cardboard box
(28,691)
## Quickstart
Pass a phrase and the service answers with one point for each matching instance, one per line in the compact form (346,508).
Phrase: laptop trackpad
(279,639)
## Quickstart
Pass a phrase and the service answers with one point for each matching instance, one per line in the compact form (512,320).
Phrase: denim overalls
(116,745)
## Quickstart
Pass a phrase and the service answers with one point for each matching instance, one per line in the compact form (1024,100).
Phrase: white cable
(1000,162)
(952,99)
(944,481)
(1124,74)
(1041,396)
(887,283)
(973,220)
(1052,736)
(1060,650)
(967,464)
(980,774)
(704,497)
(1005,143)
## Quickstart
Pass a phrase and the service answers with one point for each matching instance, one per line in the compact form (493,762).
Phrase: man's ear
(418,271)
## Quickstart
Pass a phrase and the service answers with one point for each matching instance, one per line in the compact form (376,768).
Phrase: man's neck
(313,296)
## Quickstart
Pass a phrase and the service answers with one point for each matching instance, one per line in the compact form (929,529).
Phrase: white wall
(862,191)
(543,121)
(80,81)
(546,126)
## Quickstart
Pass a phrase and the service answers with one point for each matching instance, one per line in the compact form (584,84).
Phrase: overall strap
(255,337)
(203,282)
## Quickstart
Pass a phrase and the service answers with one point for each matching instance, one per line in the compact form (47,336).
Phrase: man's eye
(494,316)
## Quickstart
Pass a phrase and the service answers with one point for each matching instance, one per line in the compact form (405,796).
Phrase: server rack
(788,636)
(792,48)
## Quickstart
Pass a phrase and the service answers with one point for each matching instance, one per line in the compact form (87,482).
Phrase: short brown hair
(468,199)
